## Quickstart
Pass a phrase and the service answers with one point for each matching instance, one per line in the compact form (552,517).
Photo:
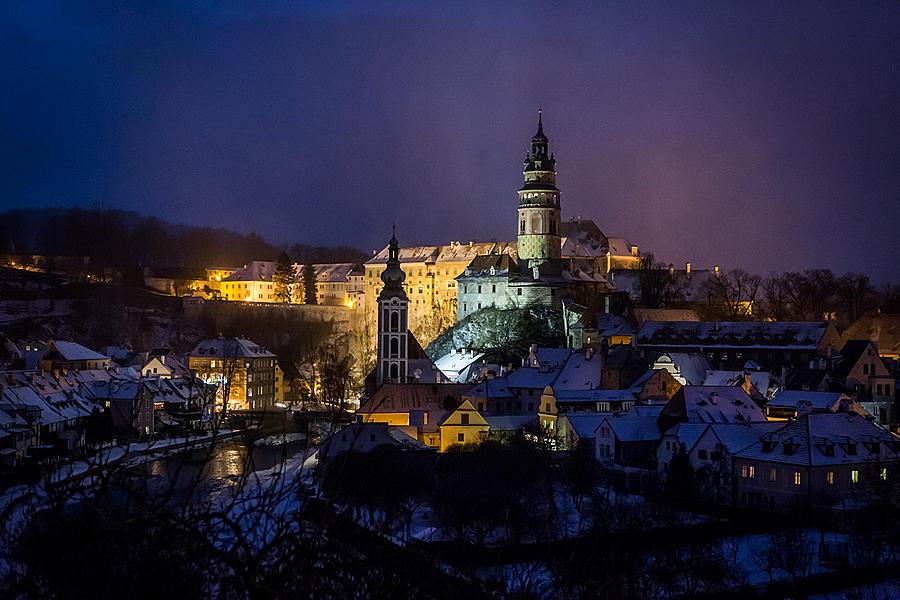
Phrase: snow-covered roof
(531,378)
(454,252)
(593,396)
(230,348)
(585,424)
(27,397)
(255,270)
(456,362)
(883,329)
(552,357)
(73,351)
(510,422)
(714,404)
(642,315)
(327,272)
(687,434)
(821,439)
(737,436)
(491,388)
(579,373)
(112,390)
(619,246)
(818,401)
(632,428)
(733,334)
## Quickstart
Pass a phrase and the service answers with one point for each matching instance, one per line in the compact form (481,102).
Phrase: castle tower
(393,322)
(539,243)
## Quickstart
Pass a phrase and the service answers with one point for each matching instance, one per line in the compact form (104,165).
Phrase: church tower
(539,244)
(393,322)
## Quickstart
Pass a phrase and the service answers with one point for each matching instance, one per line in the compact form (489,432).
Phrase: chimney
(687,267)
(606,303)
(714,397)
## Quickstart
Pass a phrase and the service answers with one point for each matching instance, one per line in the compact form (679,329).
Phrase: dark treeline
(119,237)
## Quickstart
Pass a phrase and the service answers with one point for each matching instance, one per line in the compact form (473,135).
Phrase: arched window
(395,321)
(395,348)
(536,223)
(522,226)
(394,371)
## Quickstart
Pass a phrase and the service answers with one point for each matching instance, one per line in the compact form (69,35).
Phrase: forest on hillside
(118,237)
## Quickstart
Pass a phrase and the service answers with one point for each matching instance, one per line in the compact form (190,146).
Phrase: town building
(250,283)
(859,369)
(337,284)
(817,459)
(730,344)
(65,356)
(242,371)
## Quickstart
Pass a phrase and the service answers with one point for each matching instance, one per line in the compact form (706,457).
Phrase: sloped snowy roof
(759,379)
(579,373)
(327,272)
(632,428)
(821,439)
(456,361)
(531,378)
(27,397)
(73,351)
(593,396)
(731,334)
(689,368)
(714,404)
(819,401)
(255,270)
(585,424)
(230,348)
(455,252)
(737,436)
(687,434)
(491,388)
(510,422)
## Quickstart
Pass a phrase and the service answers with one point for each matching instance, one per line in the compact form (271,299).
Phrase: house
(708,449)
(243,371)
(435,414)
(165,367)
(628,440)
(730,344)
(787,404)
(710,404)
(655,385)
(621,366)
(250,283)
(365,437)
(605,401)
(858,368)
(129,402)
(337,284)
(576,428)
(820,459)
(760,385)
(64,356)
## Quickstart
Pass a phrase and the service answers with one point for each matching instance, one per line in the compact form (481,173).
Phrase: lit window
(829,477)
(884,473)
(773,474)
(796,477)
(752,472)
(854,476)
(744,471)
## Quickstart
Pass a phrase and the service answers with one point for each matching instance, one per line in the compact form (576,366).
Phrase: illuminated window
(829,477)
(773,474)
(854,476)
(744,471)
(752,472)
(796,477)
(884,473)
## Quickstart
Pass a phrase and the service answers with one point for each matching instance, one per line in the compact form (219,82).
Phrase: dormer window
(768,445)
(851,448)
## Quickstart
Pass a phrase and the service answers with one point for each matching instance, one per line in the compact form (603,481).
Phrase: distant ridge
(128,238)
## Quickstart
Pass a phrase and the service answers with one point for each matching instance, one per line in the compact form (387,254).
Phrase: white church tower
(393,322)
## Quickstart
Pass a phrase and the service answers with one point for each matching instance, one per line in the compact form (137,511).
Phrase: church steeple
(393,321)
(393,276)
(539,158)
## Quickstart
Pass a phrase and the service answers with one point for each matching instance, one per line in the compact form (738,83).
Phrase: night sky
(765,136)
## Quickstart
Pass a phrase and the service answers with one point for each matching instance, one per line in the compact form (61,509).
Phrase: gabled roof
(818,401)
(230,348)
(481,266)
(491,388)
(585,424)
(531,378)
(687,434)
(593,396)
(633,428)
(579,373)
(27,397)
(737,436)
(71,351)
(689,368)
(255,270)
(800,335)
(849,355)
(328,272)
(454,252)
(759,379)
(821,439)
(642,315)
(713,404)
